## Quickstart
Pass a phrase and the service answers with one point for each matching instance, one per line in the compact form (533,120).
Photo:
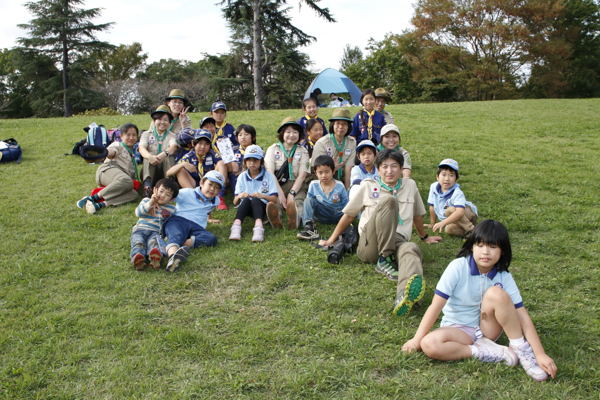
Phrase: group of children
(476,293)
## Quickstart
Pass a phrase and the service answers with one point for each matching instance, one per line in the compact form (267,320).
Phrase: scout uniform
(381,92)
(386,224)
(156,143)
(302,122)
(341,152)
(224,131)
(208,163)
(117,176)
(374,121)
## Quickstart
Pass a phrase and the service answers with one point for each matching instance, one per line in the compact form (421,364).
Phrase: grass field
(274,320)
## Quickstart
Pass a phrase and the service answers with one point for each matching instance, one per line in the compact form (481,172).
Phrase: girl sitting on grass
(480,299)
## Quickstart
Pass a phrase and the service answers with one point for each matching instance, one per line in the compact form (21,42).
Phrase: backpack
(94,150)
(115,134)
(10,151)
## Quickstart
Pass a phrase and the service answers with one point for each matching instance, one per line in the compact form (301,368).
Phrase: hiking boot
(258,234)
(155,258)
(292,214)
(309,232)
(273,215)
(176,258)
(81,203)
(386,265)
(222,206)
(236,232)
(525,354)
(489,351)
(413,292)
(139,262)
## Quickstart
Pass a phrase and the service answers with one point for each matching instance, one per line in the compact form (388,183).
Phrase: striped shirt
(147,221)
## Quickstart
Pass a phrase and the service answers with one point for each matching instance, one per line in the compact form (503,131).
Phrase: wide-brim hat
(448,162)
(253,151)
(178,94)
(205,120)
(389,128)
(381,92)
(216,177)
(202,134)
(160,111)
(92,154)
(290,121)
(341,114)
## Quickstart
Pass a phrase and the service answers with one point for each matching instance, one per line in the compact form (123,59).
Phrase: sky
(186,29)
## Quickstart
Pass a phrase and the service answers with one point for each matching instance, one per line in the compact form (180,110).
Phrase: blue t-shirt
(452,198)
(193,205)
(337,198)
(264,183)
(359,173)
(208,164)
(463,286)
(360,131)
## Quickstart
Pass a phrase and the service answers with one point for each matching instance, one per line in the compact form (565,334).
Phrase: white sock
(517,342)
(474,351)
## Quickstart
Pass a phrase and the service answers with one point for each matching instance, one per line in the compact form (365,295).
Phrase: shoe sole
(413,292)
(273,216)
(89,207)
(139,262)
(155,258)
(180,255)
(514,360)
(292,214)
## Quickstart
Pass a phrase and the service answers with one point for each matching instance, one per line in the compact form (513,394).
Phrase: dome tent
(333,81)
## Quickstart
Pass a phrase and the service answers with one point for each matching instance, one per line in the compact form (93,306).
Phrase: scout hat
(448,162)
(202,134)
(290,121)
(206,120)
(381,92)
(218,105)
(185,137)
(366,143)
(216,177)
(341,114)
(254,151)
(162,110)
(389,128)
(178,94)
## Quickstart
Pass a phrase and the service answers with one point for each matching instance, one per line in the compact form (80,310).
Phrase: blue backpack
(97,141)
(10,151)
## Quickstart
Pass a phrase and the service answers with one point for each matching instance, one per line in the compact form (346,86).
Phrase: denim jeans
(179,229)
(317,211)
(142,241)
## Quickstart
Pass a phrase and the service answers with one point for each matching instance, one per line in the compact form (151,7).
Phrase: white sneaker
(489,351)
(236,232)
(528,362)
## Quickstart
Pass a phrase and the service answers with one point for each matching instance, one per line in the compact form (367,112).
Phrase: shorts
(474,333)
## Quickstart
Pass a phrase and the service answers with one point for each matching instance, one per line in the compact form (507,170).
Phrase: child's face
(253,164)
(129,137)
(209,126)
(162,123)
(176,106)
(390,171)
(219,116)
(379,103)
(446,178)
(486,256)
(369,102)
(324,173)
(244,138)
(340,128)
(316,133)
(290,136)
(391,140)
(202,147)
(163,195)
(311,109)
(209,188)
(366,156)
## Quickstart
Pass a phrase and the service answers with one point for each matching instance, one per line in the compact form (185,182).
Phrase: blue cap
(202,133)
(185,137)
(205,120)
(254,151)
(218,105)
(448,162)
(366,143)
(216,177)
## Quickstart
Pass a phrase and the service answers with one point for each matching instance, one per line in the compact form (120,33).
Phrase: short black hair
(159,115)
(489,232)
(308,100)
(196,141)
(248,129)
(446,168)
(324,161)
(310,123)
(389,153)
(170,184)
(128,126)
(340,120)
(373,149)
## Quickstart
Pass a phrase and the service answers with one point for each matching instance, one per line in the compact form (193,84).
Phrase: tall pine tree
(64,32)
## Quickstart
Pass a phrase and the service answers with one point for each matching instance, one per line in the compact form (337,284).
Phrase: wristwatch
(425,237)
(293,192)
(167,153)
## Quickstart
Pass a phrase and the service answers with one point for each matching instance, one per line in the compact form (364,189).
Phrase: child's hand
(257,195)
(439,226)
(190,167)
(214,221)
(243,195)
(547,364)
(411,346)
(430,226)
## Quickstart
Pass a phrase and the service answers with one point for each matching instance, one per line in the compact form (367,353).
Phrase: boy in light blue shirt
(325,200)
(366,151)
(446,201)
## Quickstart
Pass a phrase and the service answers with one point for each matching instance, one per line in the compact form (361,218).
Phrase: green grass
(274,320)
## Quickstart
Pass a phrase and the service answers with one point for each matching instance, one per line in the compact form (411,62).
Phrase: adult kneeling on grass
(389,207)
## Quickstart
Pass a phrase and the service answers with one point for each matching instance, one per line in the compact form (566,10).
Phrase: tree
(64,33)
(268,20)
(351,56)
(122,63)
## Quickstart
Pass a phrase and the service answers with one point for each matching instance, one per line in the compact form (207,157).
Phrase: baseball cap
(216,177)
(448,162)
(366,143)
(389,128)
(202,133)
(207,120)
(218,105)
(254,151)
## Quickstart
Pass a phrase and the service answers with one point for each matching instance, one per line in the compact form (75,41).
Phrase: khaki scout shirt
(389,119)
(367,197)
(177,127)
(122,160)
(326,147)
(275,158)
(150,141)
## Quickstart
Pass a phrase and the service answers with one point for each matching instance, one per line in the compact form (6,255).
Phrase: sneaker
(258,234)
(139,262)
(528,362)
(148,191)
(392,275)
(176,258)
(489,351)
(91,207)
(81,203)
(155,258)
(236,232)
(273,215)
(309,232)
(413,292)
(222,206)
(292,214)
(386,265)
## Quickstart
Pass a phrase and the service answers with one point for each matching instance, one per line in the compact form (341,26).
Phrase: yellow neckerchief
(220,131)
(307,117)
(201,165)
(370,123)
(310,142)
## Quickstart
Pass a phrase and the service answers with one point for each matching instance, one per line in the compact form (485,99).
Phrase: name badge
(375,192)
(347,152)
(209,161)
(297,156)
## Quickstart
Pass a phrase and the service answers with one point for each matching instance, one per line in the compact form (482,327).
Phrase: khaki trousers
(119,186)
(380,239)
(149,170)
(298,198)
(464,225)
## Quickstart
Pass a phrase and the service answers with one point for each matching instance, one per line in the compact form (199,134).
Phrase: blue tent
(333,81)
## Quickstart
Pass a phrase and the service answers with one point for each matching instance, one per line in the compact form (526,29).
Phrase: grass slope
(274,320)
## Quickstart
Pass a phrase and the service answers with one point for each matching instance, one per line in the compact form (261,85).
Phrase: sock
(237,222)
(517,342)
(102,204)
(257,223)
(232,181)
(474,351)
(96,198)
